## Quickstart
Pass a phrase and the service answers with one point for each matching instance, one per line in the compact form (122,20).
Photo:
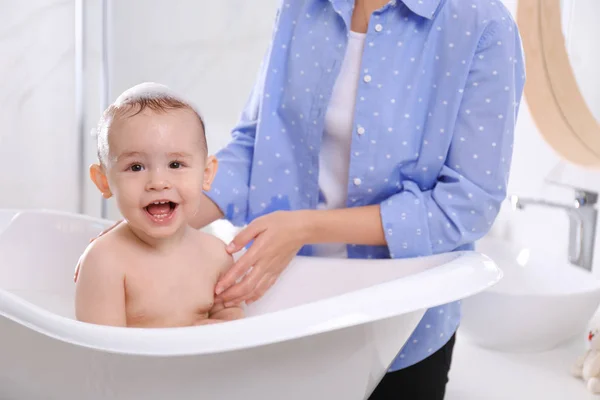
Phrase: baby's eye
(175,165)
(136,167)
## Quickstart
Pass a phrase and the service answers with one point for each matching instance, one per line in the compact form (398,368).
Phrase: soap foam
(142,91)
(152,90)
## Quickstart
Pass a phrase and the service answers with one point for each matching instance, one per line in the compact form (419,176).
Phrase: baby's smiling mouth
(161,209)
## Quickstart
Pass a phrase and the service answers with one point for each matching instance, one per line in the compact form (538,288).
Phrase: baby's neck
(165,244)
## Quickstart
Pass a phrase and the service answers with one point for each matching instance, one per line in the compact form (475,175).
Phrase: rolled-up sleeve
(463,204)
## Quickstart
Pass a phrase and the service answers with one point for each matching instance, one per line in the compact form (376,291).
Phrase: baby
(152,270)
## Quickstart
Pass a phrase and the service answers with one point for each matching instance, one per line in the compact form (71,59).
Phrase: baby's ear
(98,176)
(210,170)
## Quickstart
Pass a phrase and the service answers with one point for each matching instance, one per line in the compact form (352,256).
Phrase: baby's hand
(76,274)
(220,312)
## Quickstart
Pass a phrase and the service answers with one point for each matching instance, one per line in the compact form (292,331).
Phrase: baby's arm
(100,290)
(222,261)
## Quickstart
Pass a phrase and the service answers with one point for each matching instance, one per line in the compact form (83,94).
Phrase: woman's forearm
(358,225)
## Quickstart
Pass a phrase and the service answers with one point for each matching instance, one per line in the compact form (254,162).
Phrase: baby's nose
(158,181)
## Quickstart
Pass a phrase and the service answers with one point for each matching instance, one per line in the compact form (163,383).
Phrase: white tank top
(334,157)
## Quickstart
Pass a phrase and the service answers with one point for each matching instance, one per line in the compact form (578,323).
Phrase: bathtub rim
(359,307)
(170,341)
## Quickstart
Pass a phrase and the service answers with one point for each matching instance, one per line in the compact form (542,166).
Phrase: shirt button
(378,27)
(357,181)
(367,78)
(360,130)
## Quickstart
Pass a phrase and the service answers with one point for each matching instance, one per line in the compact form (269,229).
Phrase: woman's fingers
(265,283)
(262,279)
(76,271)
(242,290)
(236,272)
(244,237)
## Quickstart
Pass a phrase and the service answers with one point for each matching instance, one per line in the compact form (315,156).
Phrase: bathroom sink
(541,302)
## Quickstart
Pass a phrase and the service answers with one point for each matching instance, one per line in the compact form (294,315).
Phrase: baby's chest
(169,291)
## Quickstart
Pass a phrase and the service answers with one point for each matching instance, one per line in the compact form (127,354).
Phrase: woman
(376,129)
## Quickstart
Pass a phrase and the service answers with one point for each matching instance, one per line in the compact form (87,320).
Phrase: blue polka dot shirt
(438,95)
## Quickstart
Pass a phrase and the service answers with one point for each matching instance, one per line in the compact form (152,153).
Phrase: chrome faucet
(583,216)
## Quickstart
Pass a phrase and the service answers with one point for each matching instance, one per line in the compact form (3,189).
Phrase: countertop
(481,374)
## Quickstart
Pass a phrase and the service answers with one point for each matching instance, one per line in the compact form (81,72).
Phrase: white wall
(38,148)
(209,50)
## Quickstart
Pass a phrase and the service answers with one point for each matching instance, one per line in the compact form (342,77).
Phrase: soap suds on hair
(155,96)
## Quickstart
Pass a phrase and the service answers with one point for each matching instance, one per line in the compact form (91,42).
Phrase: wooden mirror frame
(553,96)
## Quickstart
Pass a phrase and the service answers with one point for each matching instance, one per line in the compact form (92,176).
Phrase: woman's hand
(101,233)
(277,239)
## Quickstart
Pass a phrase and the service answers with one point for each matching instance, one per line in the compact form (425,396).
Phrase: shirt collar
(423,8)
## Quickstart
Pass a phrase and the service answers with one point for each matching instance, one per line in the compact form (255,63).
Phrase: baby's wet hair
(149,95)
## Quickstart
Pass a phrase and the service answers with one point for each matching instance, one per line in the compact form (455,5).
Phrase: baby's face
(157,169)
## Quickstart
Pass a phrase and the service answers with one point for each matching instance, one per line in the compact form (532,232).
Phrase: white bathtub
(328,329)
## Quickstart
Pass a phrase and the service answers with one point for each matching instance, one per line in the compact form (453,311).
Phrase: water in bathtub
(153,269)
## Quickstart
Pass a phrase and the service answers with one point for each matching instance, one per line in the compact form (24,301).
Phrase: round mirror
(581,29)
(563,87)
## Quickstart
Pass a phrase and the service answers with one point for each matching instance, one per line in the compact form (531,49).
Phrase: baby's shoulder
(212,250)
(106,250)
(205,240)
